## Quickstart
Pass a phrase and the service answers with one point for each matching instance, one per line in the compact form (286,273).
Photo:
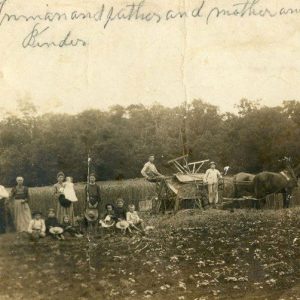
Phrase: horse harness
(285,175)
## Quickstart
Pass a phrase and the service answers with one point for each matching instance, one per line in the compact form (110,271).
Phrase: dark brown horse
(284,182)
(243,184)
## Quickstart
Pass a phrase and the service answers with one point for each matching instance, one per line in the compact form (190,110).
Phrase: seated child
(68,228)
(109,217)
(133,218)
(52,222)
(37,228)
(110,211)
(120,212)
(69,190)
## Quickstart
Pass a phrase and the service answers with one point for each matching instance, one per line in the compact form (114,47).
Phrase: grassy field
(191,255)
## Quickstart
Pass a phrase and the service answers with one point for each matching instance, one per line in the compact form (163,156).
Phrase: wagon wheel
(176,203)
(156,206)
(169,200)
(198,203)
(163,198)
(158,200)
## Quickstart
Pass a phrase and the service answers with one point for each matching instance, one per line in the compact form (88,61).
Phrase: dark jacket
(51,222)
(111,214)
(120,213)
(94,193)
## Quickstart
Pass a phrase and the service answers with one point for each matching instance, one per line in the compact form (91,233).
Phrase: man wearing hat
(211,177)
(149,170)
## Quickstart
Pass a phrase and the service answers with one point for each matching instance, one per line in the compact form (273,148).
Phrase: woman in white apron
(21,210)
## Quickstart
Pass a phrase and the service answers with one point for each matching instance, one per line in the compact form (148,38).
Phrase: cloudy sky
(138,62)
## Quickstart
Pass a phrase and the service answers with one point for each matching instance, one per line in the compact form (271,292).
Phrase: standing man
(150,172)
(212,177)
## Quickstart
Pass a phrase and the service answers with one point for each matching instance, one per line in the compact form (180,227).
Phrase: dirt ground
(192,255)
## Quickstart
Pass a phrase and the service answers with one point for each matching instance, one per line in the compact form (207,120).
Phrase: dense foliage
(120,140)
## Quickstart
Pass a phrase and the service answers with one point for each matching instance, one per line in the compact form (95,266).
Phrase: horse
(270,182)
(243,184)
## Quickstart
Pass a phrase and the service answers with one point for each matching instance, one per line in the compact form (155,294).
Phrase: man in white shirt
(150,172)
(212,177)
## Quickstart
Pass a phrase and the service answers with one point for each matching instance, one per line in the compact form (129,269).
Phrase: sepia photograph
(150,149)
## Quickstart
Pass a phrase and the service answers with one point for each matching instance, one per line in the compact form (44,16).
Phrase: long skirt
(65,211)
(22,215)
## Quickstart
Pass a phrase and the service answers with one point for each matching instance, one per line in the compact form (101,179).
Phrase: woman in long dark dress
(21,210)
(61,210)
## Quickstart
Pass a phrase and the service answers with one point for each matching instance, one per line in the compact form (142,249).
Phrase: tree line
(119,140)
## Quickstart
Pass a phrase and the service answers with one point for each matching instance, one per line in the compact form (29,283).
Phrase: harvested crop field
(192,255)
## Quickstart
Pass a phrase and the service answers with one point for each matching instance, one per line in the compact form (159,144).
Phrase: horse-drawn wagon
(187,189)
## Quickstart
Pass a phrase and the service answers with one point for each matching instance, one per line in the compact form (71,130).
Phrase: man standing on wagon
(212,177)
(150,172)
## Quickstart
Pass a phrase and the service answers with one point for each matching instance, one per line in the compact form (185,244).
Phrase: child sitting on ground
(37,228)
(120,215)
(133,218)
(68,228)
(109,217)
(110,212)
(120,212)
(53,228)
(69,190)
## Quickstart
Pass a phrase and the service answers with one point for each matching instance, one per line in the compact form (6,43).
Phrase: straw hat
(91,214)
(107,222)
(56,230)
(212,163)
(122,225)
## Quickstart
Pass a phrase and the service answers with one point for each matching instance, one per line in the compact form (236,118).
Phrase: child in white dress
(133,218)
(69,190)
